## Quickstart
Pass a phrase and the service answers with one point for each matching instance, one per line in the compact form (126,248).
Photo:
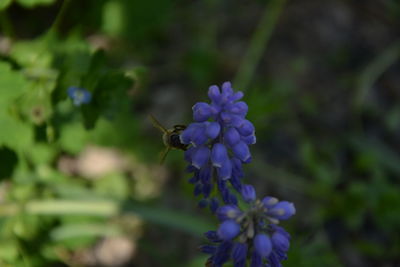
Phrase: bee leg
(157,124)
(163,154)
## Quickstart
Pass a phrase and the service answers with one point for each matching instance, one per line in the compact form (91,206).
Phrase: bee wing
(163,154)
(157,124)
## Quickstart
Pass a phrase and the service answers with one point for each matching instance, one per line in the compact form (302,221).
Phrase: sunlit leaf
(12,84)
(81,230)
(32,3)
(14,133)
(4,4)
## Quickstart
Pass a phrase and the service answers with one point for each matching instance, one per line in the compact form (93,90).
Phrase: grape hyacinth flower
(219,140)
(79,96)
(252,234)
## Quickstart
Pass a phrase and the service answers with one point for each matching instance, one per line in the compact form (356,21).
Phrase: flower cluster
(219,139)
(218,144)
(252,234)
(79,96)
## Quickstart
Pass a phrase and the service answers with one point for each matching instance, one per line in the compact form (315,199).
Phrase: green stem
(60,16)
(369,76)
(258,44)
(373,71)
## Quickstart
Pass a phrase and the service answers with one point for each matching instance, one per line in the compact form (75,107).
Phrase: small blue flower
(79,96)
(253,233)
(219,140)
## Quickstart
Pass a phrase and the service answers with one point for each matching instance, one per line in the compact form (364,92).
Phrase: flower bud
(241,150)
(262,244)
(283,210)
(219,154)
(200,157)
(248,193)
(228,230)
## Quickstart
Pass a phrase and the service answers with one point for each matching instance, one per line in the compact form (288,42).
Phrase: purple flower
(280,241)
(219,138)
(282,210)
(228,229)
(280,244)
(241,151)
(239,254)
(200,156)
(219,155)
(228,212)
(256,260)
(214,204)
(79,96)
(248,193)
(253,233)
(218,145)
(262,244)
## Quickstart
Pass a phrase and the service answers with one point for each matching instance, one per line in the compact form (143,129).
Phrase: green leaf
(185,222)
(32,54)
(35,104)
(78,242)
(181,221)
(8,250)
(12,84)
(374,152)
(41,153)
(75,230)
(199,261)
(100,208)
(113,18)
(9,160)
(14,133)
(113,185)
(73,137)
(109,97)
(4,4)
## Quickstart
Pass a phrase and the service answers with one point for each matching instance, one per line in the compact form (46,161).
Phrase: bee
(170,137)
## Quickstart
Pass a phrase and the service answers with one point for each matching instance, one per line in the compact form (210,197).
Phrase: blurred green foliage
(322,90)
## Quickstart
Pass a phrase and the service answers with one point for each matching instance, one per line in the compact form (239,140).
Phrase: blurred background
(81,186)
